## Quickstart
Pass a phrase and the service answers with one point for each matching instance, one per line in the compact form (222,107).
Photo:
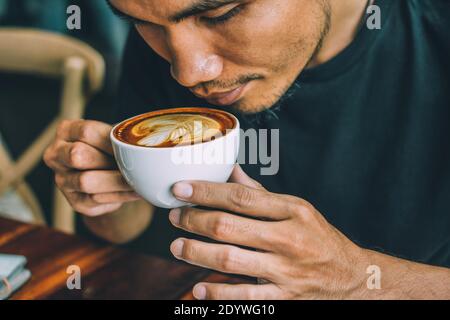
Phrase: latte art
(156,149)
(176,129)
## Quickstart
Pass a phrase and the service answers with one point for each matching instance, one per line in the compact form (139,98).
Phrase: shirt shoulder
(433,8)
(428,24)
(434,13)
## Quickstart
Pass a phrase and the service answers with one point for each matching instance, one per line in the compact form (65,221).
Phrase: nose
(193,60)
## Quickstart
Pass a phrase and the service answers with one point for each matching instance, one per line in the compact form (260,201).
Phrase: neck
(345,21)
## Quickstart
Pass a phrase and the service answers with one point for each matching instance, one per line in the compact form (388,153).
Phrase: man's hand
(85,170)
(297,251)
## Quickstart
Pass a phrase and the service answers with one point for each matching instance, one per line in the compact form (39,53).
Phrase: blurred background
(31,98)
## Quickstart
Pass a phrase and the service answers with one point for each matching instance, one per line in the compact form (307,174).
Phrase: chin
(251,107)
(256,102)
(248,106)
(247,109)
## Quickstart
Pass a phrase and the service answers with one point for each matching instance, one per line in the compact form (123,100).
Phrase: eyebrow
(200,6)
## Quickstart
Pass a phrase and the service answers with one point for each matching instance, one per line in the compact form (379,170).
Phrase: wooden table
(107,272)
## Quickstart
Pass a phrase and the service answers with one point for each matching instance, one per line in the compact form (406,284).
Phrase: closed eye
(222,18)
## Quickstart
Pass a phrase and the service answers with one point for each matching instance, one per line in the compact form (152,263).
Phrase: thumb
(239,176)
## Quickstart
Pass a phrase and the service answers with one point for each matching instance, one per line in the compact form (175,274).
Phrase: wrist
(123,225)
(358,266)
(382,276)
(368,281)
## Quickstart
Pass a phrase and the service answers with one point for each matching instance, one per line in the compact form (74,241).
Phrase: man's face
(244,53)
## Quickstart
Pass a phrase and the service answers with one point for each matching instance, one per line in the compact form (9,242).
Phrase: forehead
(152,10)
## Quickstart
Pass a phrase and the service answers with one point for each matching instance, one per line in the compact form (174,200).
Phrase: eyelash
(223,18)
(211,21)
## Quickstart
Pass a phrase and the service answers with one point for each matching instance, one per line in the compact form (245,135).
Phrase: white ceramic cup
(152,172)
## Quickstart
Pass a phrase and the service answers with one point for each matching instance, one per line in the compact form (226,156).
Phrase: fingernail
(182,190)
(199,292)
(177,248)
(174,216)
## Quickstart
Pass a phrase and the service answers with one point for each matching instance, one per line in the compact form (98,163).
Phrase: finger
(84,204)
(237,198)
(115,197)
(81,156)
(223,258)
(219,291)
(225,227)
(51,157)
(239,176)
(94,133)
(92,182)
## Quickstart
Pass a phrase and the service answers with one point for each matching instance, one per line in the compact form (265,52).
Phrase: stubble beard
(271,110)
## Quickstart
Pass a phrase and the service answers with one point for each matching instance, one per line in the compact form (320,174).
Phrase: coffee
(175,127)
(143,150)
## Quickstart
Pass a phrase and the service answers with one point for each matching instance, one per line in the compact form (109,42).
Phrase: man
(364,178)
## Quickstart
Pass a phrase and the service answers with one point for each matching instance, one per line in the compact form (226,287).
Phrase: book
(13,274)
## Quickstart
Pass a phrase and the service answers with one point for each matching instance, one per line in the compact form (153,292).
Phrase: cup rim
(173,110)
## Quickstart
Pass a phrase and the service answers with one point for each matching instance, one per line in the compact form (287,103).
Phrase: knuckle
(87,211)
(241,196)
(69,198)
(106,198)
(62,127)
(259,185)
(304,210)
(99,198)
(283,295)
(76,155)
(50,156)
(84,207)
(295,246)
(47,157)
(284,238)
(81,205)
(188,251)
(222,227)
(205,191)
(85,182)
(251,294)
(229,259)
(185,218)
(59,180)
(214,294)
(85,131)
(298,207)
(77,206)
(279,242)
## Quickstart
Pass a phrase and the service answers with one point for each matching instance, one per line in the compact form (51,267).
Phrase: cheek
(271,34)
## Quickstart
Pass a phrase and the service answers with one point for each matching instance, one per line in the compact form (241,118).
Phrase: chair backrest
(41,52)
(48,54)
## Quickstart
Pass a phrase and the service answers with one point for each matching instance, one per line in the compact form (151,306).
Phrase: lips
(225,98)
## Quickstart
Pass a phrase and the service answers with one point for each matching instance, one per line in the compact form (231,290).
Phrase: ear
(239,176)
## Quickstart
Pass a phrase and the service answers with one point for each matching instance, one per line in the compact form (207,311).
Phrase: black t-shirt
(365,138)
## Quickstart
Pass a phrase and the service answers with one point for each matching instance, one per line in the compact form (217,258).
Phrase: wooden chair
(81,69)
